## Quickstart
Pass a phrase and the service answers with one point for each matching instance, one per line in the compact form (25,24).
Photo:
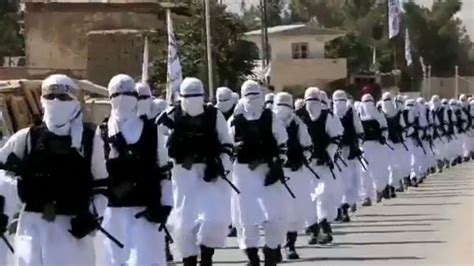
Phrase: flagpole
(210,69)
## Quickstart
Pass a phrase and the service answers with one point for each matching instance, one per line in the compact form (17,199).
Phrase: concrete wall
(113,52)
(281,46)
(307,72)
(7,73)
(56,33)
(445,87)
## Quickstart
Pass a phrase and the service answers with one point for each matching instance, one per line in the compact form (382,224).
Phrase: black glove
(83,224)
(157,215)
(275,172)
(211,172)
(383,140)
(3,223)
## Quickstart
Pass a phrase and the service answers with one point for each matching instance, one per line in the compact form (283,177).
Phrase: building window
(300,50)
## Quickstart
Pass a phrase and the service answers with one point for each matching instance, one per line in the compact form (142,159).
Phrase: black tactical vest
(229,113)
(254,139)
(133,174)
(459,121)
(193,138)
(295,149)
(450,122)
(405,118)
(395,130)
(349,137)
(55,173)
(319,137)
(372,130)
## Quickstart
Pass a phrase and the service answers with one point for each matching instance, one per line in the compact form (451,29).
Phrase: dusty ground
(431,225)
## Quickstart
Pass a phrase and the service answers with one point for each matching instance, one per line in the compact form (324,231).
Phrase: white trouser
(39,243)
(259,206)
(327,200)
(405,159)
(351,178)
(396,163)
(136,235)
(418,158)
(201,210)
(377,154)
(300,211)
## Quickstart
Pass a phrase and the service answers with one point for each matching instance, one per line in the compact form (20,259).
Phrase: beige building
(92,39)
(297,56)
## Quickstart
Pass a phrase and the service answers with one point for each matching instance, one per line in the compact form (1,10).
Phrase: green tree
(232,55)
(438,36)
(11,42)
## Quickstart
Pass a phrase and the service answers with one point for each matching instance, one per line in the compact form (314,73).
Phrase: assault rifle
(276,173)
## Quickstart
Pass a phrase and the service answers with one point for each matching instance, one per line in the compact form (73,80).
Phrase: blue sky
(467,13)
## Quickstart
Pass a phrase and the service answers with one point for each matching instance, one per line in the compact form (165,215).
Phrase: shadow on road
(380,225)
(352,259)
(401,221)
(383,232)
(394,215)
(423,204)
(378,243)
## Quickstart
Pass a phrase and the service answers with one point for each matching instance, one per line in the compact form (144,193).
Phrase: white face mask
(284,113)
(388,107)
(58,114)
(253,105)
(314,109)
(144,107)
(193,106)
(124,107)
(340,107)
(369,108)
(225,106)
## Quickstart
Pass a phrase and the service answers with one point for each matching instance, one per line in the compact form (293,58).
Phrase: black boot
(232,231)
(386,192)
(169,256)
(290,246)
(414,182)
(379,196)
(270,256)
(392,192)
(327,230)
(278,256)
(314,231)
(252,255)
(190,261)
(345,213)
(407,182)
(354,208)
(206,256)
(339,215)
(401,187)
(367,202)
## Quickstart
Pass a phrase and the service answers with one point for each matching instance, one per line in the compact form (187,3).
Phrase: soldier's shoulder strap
(88,134)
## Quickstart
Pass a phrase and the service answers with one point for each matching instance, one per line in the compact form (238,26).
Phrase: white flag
(423,67)
(146,60)
(408,48)
(174,75)
(374,56)
(393,18)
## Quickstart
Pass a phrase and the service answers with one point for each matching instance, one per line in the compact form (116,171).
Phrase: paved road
(431,225)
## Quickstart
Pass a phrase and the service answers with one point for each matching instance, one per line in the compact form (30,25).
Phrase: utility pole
(456,81)
(210,74)
(264,34)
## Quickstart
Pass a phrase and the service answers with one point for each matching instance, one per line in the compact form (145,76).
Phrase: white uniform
(351,175)
(375,152)
(37,241)
(201,210)
(135,233)
(259,205)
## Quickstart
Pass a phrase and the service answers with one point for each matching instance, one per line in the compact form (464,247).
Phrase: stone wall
(57,33)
